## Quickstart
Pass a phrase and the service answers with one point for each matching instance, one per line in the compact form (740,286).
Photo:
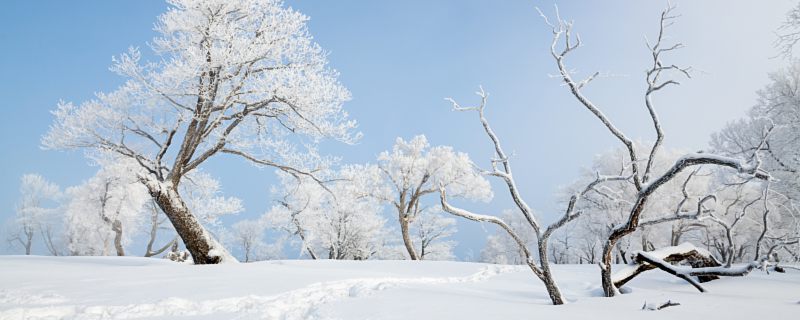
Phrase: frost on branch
(337,220)
(35,214)
(414,169)
(240,77)
(684,253)
(645,181)
(104,212)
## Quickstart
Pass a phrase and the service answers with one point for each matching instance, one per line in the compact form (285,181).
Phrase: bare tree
(241,77)
(501,168)
(789,33)
(644,180)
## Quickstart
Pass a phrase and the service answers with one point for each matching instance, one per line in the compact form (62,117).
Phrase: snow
(664,252)
(142,288)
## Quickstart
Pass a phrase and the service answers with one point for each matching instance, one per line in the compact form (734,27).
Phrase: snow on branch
(703,266)
(491,219)
(654,82)
(562,29)
(501,158)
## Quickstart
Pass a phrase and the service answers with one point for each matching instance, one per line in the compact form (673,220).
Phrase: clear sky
(400,59)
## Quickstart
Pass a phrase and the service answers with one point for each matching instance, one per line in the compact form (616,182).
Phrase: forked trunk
(547,276)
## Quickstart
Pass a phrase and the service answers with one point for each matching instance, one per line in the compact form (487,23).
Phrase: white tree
(667,216)
(778,108)
(241,77)
(732,226)
(108,209)
(431,231)
(248,235)
(35,212)
(645,179)
(501,248)
(340,217)
(414,169)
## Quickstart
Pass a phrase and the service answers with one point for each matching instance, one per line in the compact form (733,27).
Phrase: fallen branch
(667,304)
(667,267)
(697,258)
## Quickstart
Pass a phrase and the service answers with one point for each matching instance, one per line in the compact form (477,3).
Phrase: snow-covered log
(702,265)
(686,252)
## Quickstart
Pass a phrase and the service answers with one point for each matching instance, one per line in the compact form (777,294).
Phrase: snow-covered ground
(135,288)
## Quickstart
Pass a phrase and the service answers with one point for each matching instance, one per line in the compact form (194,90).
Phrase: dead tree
(644,180)
(501,168)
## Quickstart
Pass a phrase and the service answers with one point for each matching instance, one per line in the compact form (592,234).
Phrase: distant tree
(106,210)
(777,108)
(336,220)
(431,231)
(501,248)
(240,77)
(789,33)
(35,213)
(414,169)
(668,216)
(248,235)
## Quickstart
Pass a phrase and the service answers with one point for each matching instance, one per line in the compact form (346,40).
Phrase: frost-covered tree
(777,108)
(431,231)
(789,33)
(248,235)
(336,220)
(501,248)
(236,77)
(414,169)
(732,225)
(665,219)
(106,210)
(645,179)
(36,212)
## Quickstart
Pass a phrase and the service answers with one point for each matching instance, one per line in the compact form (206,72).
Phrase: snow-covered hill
(135,288)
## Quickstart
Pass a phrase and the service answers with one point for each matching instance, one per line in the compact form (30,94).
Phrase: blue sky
(400,59)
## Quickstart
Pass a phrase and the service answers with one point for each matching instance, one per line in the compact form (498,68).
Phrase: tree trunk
(605,269)
(407,238)
(28,242)
(117,228)
(547,276)
(194,236)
